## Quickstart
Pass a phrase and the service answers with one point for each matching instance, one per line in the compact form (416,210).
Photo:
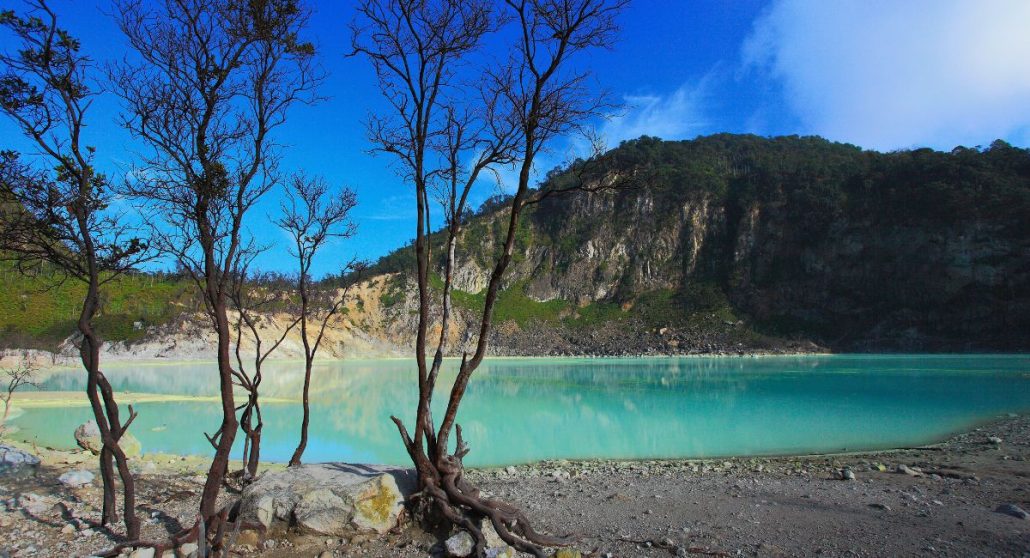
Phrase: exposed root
(445,489)
(210,537)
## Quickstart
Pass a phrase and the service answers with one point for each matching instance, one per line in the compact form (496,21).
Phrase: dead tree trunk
(211,155)
(311,215)
(309,358)
(105,413)
(417,49)
(62,219)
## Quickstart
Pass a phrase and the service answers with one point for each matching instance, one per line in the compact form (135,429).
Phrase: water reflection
(519,410)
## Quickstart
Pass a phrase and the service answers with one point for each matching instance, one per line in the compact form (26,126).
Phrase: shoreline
(930,446)
(931,500)
(69,362)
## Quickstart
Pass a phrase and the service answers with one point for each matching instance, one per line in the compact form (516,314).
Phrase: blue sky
(880,74)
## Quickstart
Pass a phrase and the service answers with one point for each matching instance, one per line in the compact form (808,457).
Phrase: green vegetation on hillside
(813,196)
(40,310)
(825,225)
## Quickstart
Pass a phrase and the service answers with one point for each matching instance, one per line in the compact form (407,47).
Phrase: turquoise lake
(520,410)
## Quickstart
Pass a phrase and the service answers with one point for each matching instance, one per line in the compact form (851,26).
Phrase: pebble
(905,469)
(1014,511)
(460,544)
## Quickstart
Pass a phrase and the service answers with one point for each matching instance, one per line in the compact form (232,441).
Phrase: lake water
(519,410)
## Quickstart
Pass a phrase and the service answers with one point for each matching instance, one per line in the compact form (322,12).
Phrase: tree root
(445,489)
(210,537)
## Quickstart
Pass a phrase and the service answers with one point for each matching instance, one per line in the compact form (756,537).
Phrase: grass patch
(40,311)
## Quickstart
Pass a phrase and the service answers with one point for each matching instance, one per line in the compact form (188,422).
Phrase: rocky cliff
(721,244)
(733,242)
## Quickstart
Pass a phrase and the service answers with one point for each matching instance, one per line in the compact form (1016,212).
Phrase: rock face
(15,461)
(857,250)
(331,499)
(87,435)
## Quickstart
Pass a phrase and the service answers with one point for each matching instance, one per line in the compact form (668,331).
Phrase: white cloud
(886,74)
(677,115)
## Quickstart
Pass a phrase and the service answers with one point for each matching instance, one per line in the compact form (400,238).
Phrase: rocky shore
(964,497)
(617,339)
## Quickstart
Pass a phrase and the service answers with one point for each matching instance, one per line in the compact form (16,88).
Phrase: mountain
(726,243)
(738,241)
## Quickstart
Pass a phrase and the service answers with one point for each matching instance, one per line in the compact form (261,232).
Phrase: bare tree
(60,213)
(209,82)
(313,215)
(22,374)
(419,48)
(252,299)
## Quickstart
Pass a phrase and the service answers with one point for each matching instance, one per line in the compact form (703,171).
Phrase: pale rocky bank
(962,497)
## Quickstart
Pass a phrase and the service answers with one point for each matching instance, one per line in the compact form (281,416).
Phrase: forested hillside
(726,242)
(757,240)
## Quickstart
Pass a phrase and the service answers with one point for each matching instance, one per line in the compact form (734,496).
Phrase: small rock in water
(1013,510)
(510,469)
(880,506)
(76,479)
(847,474)
(567,553)
(460,544)
(994,440)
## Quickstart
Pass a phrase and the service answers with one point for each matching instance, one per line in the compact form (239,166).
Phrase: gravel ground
(944,505)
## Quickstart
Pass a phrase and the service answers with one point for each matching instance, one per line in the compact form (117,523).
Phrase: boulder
(76,479)
(333,499)
(16,461)
(87,435)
